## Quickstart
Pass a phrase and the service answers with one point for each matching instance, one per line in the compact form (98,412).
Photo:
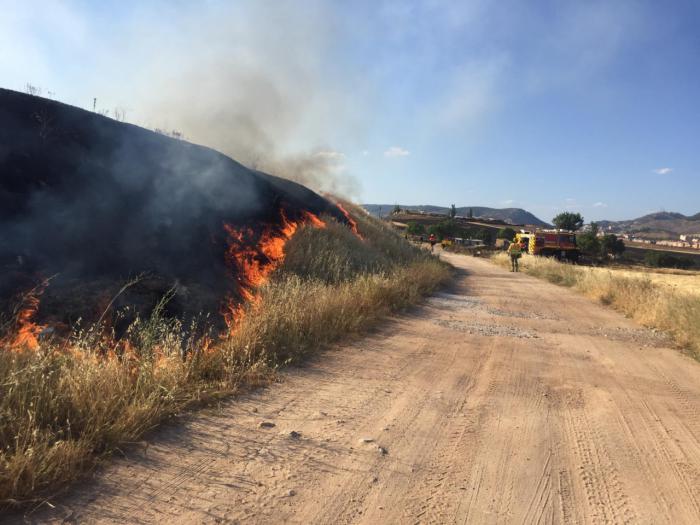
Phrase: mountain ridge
(656,225)
(509,215)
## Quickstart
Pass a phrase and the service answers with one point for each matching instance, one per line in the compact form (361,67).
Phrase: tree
(453,211)
(415,228)
(611,245)
(568,221)
(446,228)
(396,210)
(435,229)
(506,233)
(588,242)
(483,234)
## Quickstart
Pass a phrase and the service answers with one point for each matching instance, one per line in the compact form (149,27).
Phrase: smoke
(267,83)
(92,201)
(250,80)
(322,170)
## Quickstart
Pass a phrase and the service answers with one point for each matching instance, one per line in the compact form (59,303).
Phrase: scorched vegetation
(67,403)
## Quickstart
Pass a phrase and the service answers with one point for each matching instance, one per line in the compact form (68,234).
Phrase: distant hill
(509,215)
(658,225)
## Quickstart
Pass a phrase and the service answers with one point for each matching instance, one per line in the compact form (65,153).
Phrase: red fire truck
(549,243)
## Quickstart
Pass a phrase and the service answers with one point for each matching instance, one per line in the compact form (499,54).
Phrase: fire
(351,221)
(253,253)
(254,256)
(26,334)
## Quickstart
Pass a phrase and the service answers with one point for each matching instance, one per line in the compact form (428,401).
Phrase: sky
(592,107)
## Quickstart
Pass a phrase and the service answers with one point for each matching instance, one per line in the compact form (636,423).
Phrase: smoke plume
(249,80)
(92,201)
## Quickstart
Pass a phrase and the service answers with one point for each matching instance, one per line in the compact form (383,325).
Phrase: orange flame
(351,221)
(255,259)
(26,335)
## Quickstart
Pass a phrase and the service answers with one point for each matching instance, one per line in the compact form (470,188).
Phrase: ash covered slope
(84,196)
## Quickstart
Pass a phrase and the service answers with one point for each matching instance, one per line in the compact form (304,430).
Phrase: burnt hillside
(93,201)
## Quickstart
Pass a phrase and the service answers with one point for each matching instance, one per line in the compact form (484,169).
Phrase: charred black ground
(94,201)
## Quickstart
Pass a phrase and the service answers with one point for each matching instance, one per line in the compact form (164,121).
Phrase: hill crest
(657,225)
(508,215)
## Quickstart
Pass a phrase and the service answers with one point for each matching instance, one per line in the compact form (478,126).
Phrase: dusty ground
(509,400)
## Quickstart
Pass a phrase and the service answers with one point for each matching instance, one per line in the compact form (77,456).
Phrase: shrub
(506,233)
(659,259)
(415,228)
(611,245)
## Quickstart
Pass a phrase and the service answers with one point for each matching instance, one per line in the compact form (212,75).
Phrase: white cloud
(600,205)
(663,171)
(507,202)
(396,151)
(365,152)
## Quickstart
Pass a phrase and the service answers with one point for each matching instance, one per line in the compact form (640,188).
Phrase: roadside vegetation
(603,248)
(664,302)
(660,259)
(71,403)
(451,228)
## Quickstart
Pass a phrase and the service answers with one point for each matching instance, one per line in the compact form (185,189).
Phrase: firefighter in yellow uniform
(515,253)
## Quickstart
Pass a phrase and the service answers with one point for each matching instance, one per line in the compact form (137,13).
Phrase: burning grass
(636,294)
(70,403)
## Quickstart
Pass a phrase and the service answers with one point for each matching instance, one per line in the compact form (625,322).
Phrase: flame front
(26,333)
(351,221)
(254,257)
(251,253)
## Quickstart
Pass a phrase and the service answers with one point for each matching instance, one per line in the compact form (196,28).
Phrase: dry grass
(68,405)
(653,299)
(682,281)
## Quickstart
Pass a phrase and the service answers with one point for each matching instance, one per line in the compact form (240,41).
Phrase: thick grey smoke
(250,80)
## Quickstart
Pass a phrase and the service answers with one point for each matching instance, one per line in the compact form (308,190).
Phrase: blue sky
(547,105)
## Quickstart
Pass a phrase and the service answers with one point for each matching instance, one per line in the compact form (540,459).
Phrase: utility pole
(94,104)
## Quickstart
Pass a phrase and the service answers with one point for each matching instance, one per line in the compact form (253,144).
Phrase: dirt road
(508,400)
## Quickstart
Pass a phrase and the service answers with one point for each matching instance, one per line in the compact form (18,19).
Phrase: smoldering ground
(95,201)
